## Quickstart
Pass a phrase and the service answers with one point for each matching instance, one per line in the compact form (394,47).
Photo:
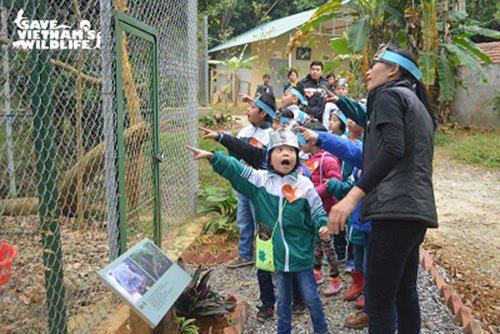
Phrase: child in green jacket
(288,204)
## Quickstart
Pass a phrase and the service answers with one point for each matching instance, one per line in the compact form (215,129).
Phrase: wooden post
(139,326)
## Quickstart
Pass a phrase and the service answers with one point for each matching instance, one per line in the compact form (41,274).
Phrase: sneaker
(265,313)
(359,320)
(239,262)
(318,276)
(298,307)
(349,267)
(333,287)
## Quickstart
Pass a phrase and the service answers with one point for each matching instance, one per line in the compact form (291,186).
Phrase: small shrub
(186,326)
(223,203)
(199,300)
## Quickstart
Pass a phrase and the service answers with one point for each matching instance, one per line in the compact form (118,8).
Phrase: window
(303,53)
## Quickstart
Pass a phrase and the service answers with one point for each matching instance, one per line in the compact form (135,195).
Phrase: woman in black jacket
(396,188)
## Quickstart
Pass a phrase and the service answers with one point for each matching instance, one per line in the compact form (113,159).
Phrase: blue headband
(264,106)
(302,140)
(299,96)
(403,62)
(341,116)
(284,120)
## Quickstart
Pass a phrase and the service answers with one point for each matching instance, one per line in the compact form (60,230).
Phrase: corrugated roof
(267,30)
(492,50)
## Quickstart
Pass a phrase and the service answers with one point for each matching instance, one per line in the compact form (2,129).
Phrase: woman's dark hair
(330,75)
(292,70)
(270,100)
(421,91)
(315,125)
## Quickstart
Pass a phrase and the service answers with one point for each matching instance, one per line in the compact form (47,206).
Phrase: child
(297,214)
(324,166)
(256,156)
(338,123)
(259,115)
(295,100)
(265,87)
(342,87)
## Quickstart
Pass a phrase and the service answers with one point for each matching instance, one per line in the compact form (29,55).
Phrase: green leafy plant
(215,120)
(223,203)
(199,300)
(207,121)
(186,326)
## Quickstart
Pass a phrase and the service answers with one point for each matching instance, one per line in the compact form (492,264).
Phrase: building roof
(267,30)
(492,50)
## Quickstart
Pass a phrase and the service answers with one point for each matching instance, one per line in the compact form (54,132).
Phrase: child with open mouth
(288,205)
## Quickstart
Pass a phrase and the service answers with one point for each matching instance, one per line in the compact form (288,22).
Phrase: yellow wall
(265,49)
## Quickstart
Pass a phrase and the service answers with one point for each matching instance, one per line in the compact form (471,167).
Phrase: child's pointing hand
(209,134)
(308,135)
(200,154)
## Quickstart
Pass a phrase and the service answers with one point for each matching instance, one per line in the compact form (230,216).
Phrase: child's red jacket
(327,166)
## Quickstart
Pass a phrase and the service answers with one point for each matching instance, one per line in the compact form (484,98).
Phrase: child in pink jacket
(324,166)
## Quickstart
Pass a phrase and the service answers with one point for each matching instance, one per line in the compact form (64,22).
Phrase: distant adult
(314,90)
(396,186)
(265,87)
(293,79)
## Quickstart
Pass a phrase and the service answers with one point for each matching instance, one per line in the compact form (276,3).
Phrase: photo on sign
(130,280)
(151,260)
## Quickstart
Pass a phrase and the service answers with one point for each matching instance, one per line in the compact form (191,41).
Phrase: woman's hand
(209,134)
(330,97)
(341,211)
(200,154)
(308,135)
(324,233)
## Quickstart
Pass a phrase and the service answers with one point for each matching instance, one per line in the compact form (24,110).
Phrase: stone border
(463,314)
(238,317)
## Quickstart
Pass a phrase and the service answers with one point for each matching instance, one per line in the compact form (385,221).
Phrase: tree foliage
(441,37)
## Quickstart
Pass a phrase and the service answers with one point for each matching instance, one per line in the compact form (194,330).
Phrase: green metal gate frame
(128,24)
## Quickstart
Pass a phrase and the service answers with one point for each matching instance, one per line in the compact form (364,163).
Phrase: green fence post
(41,106)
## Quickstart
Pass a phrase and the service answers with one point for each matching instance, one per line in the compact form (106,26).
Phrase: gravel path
(243,282)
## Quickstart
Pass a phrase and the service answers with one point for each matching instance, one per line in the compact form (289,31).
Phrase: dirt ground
(467,242)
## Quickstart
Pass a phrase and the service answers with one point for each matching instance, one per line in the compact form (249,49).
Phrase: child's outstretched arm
(345,149)
(254,156)
(338,188)
(351,108)
(239,175)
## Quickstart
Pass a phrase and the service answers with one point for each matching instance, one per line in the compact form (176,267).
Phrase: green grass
(220,108)
(471,147)
(207,176)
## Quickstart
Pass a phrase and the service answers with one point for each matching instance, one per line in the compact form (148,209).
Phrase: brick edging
(238,316)
(453,300)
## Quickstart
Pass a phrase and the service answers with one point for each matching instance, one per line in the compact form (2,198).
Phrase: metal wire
(59,192)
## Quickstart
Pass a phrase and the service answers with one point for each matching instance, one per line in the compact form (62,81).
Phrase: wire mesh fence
(60,188)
